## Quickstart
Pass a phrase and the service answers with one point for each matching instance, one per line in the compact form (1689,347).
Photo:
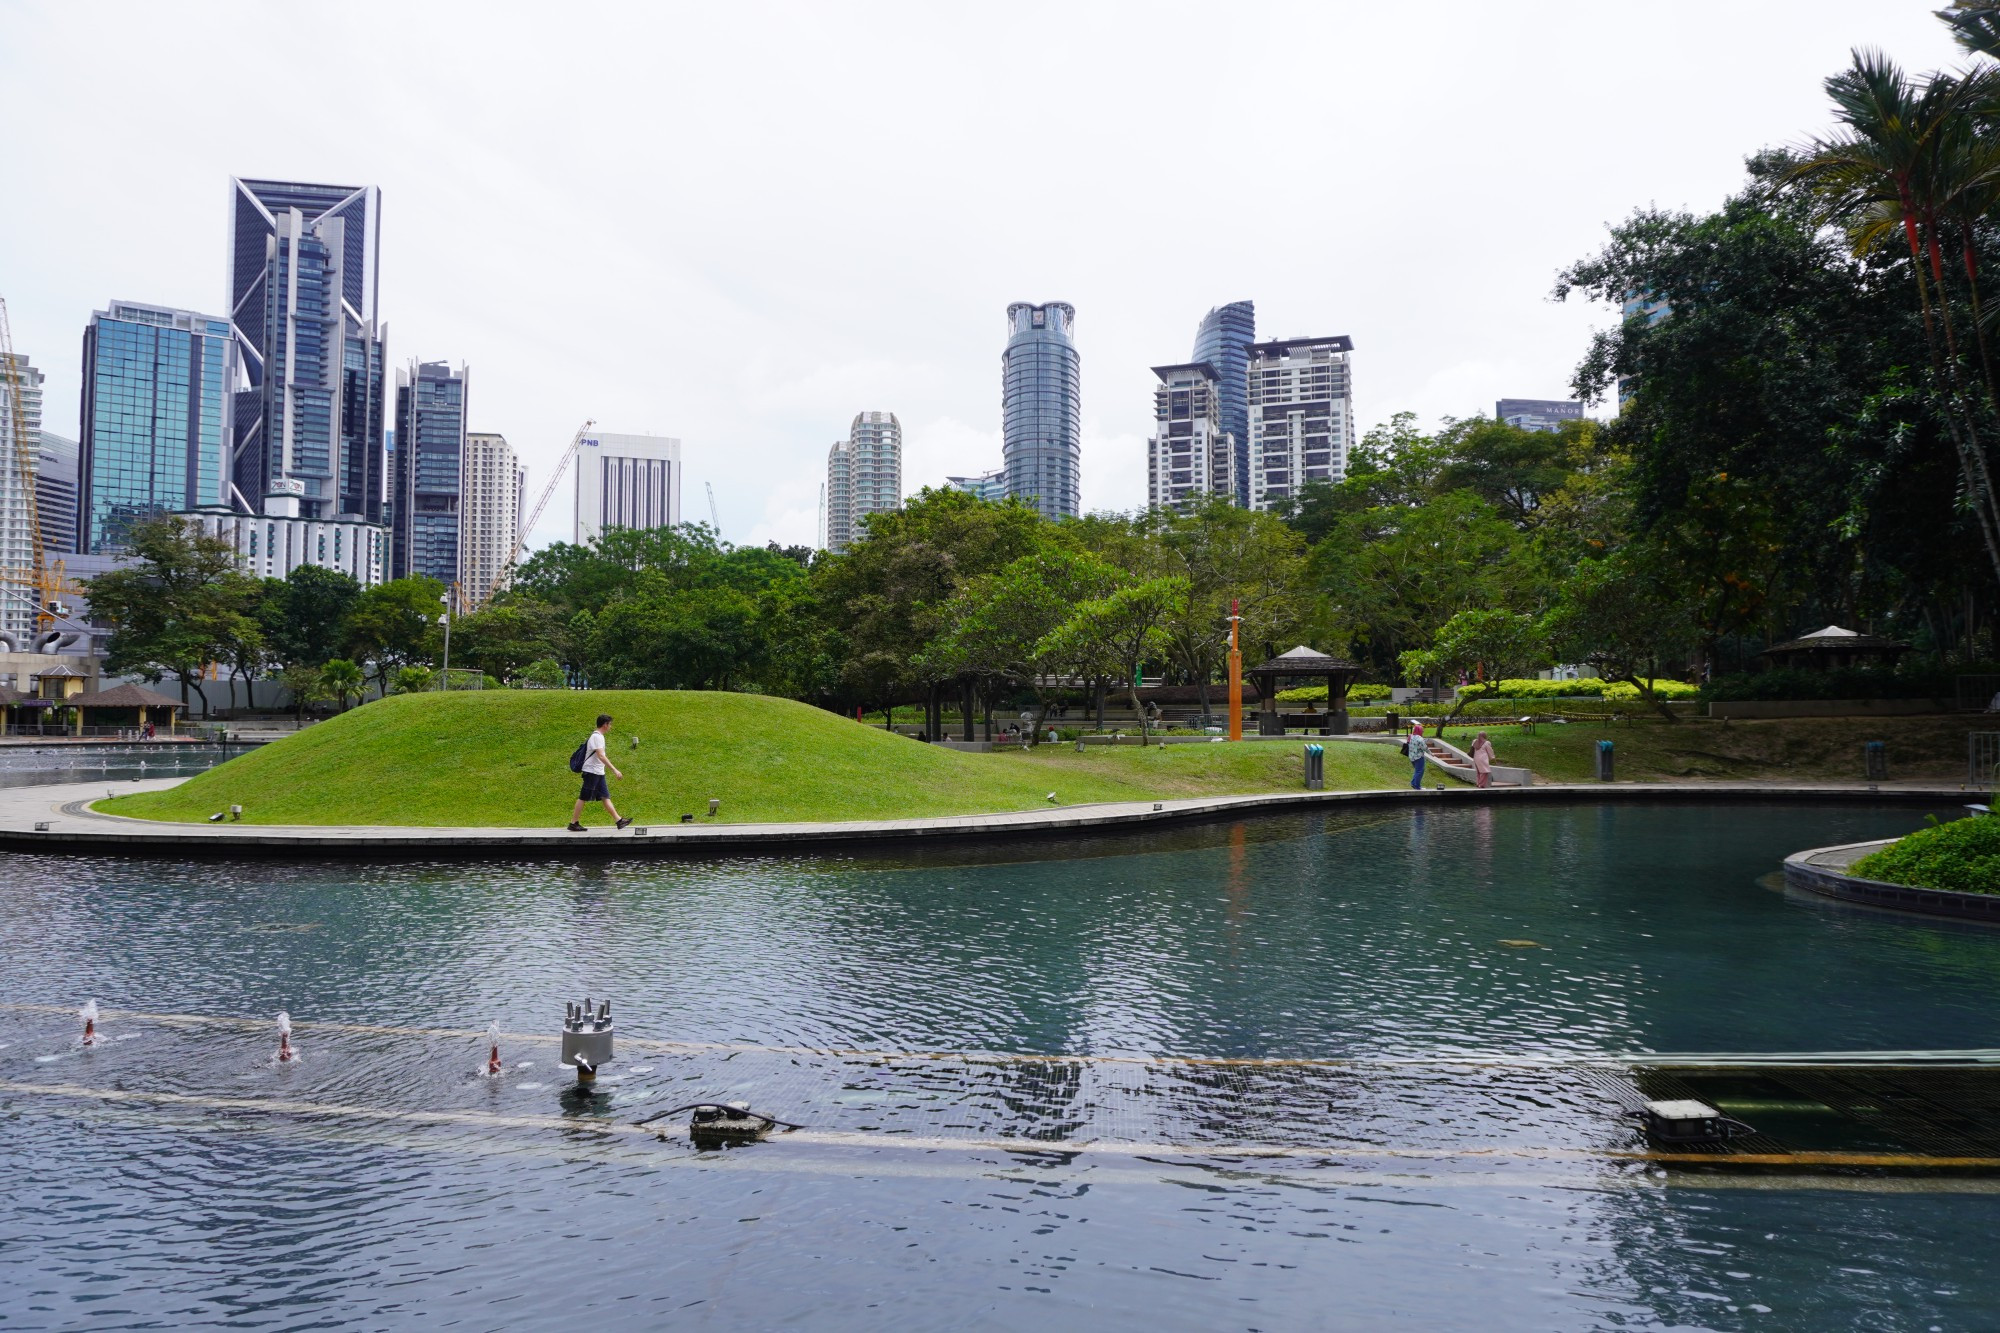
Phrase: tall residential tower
(1190,456)
(864,475)
(1223,340)
(426,487)
(1042,408)
(1301,415)
(490,512)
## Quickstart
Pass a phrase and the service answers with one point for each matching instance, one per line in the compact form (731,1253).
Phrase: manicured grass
(1962,856)
(500,759)
(1810,749)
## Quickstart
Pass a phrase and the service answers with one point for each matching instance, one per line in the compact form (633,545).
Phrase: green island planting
(1962,856)
(499,758)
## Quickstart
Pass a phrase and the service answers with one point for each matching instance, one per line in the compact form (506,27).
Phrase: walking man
(595,761)
(1419,750)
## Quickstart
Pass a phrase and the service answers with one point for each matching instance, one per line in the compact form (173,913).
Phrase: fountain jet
(493,1055)
(89,1015)
(285,1051)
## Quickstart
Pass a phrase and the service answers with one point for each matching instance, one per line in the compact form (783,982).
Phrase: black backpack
(576,760)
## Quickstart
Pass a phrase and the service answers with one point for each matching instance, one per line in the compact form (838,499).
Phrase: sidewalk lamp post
(444,619)
(1235,673)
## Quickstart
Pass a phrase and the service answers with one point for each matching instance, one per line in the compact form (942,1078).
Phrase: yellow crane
(46,583)
(534,516)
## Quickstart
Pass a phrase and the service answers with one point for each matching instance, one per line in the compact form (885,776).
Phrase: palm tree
(1911,162)
(343,678)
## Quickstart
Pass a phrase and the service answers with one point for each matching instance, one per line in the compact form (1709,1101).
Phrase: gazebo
(1308,664)
(1833,648)
(124,706)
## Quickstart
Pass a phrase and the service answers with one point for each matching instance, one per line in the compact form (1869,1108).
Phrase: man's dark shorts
(594,788)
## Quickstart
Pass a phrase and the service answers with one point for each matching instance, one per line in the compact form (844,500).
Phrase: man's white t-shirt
(593,755)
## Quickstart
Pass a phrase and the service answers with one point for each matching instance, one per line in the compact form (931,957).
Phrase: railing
(55,731)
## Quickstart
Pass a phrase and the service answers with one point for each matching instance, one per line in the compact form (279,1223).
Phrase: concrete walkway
(57,818)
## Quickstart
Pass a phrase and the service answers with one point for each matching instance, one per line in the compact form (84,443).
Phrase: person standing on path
(595,761)
(1482,760)
(1419,750)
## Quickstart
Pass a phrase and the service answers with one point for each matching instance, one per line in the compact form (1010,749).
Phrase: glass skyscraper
(429,478)
(1041,400)
(1223,341)
(156,418)
(303,282)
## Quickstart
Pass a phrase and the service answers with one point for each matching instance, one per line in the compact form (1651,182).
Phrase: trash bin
(1315,768)
(1392,722)
(1875,762)
(1604,761)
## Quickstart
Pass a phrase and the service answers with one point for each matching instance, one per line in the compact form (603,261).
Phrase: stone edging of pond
(1822,870)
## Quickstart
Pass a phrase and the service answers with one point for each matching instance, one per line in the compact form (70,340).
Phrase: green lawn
(500,759)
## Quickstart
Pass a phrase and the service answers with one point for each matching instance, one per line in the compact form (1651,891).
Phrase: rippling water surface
(1433,1177)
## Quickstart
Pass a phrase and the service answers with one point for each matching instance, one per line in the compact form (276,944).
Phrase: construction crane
(47,584)
(535,515)
(714,518)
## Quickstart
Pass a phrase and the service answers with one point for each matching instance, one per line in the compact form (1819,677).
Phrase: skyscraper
(156,419)
(1041,401)
(490,515)
(626,481)
(1190,455)
(17,547)
(864,475)
(1223,341)
(1301,415)
(303,282)
(55,494)
(425,490)
(988,486)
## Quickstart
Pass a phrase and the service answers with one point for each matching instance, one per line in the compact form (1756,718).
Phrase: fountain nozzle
(586,1038)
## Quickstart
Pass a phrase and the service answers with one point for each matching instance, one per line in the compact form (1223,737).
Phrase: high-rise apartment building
(1041,401)
(991,486)
(1190,455)
(20,392)
(157,386)
(490,513)
(1301,415)
(1544,414)
(55,494)
(864,475)
(626,481)
(303,286)
(425,486)
(1223,340)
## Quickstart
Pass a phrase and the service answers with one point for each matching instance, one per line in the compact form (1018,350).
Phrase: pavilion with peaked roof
(1832,648)
(1303,663)
(124,706)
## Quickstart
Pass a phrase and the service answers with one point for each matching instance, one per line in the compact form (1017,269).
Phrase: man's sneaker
(623,822)
(577,828)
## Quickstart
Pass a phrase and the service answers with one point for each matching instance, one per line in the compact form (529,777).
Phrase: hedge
(1962,856)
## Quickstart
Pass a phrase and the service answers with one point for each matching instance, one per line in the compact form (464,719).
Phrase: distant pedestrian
(1482,760)
(595,761)
(1419,750)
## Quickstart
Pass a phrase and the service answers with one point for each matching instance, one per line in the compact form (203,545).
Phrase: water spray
(493,1055)
(285,1052)
(89,1016)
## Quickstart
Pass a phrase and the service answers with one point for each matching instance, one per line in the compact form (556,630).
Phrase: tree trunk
(1097,685)
(965,703)
(1145,732)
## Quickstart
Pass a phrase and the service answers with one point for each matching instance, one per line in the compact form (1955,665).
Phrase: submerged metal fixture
(723,1124)
(586,1039)
(1689,1121)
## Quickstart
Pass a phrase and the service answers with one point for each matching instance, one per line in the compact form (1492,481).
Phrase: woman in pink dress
(1482,760)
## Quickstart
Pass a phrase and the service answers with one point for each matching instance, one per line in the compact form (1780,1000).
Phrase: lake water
(1450,1170)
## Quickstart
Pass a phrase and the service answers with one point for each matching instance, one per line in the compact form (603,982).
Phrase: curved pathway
(58,818)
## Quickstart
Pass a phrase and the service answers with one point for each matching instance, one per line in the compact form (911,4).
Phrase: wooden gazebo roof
(1835,641)
(124,696)
(1303,661)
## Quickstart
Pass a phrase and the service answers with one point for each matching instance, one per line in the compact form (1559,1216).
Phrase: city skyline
(731,324)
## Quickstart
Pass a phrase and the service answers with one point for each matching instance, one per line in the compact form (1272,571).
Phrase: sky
(739,225)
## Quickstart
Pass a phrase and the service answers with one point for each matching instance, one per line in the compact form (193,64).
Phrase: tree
(179,606)
(1488,642)
(1229,556)
(1625,616)
(394,625)
(413,679)
(307,685)
(343,678)
(545,674)
(311,606)
(1114,635)
(502,638)
(675,639)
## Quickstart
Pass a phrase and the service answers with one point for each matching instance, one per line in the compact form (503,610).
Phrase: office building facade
(1544,414)
(303,287)
(1042,408)
(1223,340)
(282,536)
(426,480)
(55,494)
(490,514)
(864,475)
(156,423)
(626,481)
(20,409)
(1301,393)
(1190,456)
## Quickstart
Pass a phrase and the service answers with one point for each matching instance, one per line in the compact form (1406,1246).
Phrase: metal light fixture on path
(444,619)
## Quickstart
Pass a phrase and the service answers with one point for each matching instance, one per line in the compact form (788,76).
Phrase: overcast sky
(742,224)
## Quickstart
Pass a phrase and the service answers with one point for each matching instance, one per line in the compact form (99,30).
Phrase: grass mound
(500,758)
(1962,856)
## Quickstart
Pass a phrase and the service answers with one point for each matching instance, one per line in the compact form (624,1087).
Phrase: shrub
(1962,856)
(1316,694)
